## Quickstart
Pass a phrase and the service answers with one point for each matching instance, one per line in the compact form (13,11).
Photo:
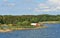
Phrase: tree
(25,23)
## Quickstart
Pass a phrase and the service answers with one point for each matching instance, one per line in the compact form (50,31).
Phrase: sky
(29,7)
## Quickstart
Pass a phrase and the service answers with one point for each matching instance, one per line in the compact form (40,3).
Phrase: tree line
(10,19)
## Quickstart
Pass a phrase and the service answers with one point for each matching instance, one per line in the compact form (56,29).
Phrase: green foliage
(25,19)
(19,23)
(25,23)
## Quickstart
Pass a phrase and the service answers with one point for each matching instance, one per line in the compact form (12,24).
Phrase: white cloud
(43,10)
(42,5)
(47,10)
(53,2)
(50,5)
(56,8)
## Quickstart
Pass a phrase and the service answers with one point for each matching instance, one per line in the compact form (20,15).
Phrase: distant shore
(50,22)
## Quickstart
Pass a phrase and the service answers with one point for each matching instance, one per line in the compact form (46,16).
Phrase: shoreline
(50,22)
(46,22)
(10,30)
(7,30)
(28,28)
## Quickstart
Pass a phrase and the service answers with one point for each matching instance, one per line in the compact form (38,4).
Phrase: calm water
(53,31)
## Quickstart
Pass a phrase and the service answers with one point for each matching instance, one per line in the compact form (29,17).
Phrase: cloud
(43,10)
(50,5)
(46,10)
(53,2)
(42,5)
(58,7)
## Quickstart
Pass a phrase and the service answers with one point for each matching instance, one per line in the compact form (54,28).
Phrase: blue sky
(29,7)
